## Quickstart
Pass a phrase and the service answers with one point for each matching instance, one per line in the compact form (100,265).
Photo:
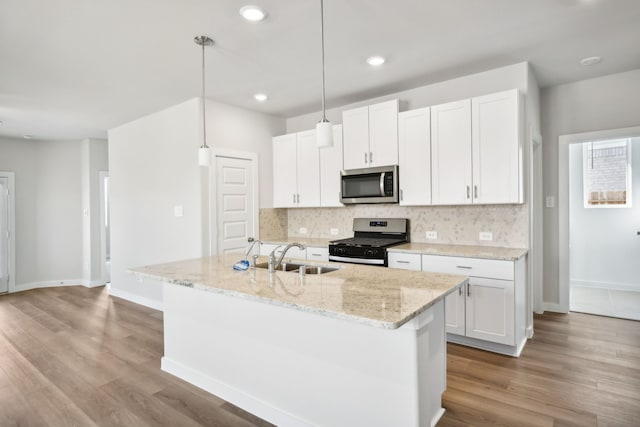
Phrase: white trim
(554,308)
(103,235)
(11,176)
(49,284)
(213,194)
(509,350)
(224,391)
(92,283)
(147,302)
(563,203)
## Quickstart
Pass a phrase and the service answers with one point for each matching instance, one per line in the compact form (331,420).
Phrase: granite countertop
(488,252)
(379,297)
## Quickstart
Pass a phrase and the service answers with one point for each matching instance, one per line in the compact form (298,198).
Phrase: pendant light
(204,153)
(324,129)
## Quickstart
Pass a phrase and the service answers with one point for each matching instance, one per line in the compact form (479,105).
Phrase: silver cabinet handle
(475,191)
(468,192)
(365,157)
(464,266)
(294,198)
(370,157)
(460,290)
(316,254)
(403,262)
(401,194)
(468,289)
(297,198)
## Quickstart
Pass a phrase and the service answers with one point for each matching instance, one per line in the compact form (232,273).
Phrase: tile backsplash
(453,224)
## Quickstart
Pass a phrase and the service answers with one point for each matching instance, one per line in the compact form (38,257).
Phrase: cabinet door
(454,309)
(308,160)
(285,186)
(355,132)
(414,152)
(330,167)
(497,149)
(451,153)
(383,133)
(490,310)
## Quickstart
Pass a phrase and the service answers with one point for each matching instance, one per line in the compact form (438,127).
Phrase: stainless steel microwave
(370,185)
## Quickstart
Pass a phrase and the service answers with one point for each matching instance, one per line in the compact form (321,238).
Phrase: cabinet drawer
(318,254)
(476,267)
(405,261)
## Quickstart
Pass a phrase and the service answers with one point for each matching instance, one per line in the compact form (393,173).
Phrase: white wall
(153,167)
(48,210)
(608,102)
(239,129)
(604,246)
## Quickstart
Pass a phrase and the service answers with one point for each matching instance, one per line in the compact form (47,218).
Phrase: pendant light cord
(324,117)
(204,115)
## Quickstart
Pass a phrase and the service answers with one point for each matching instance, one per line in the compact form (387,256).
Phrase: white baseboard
(553,307)
(55,284)
(231,394)
(92,283)
(613,286)
(147,302)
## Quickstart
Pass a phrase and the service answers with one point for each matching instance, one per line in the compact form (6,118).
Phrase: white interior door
(235,207)
(4,234)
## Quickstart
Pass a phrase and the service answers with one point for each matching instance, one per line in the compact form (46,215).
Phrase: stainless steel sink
(296,267)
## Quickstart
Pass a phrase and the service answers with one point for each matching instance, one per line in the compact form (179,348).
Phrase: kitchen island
(356,346)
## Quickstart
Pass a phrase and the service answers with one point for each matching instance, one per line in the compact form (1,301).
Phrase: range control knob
(371,252)
(341,251)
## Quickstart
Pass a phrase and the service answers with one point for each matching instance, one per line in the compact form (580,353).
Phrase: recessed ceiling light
(261,97)
(375,61)
(252,13)
(592,60)
(27,136)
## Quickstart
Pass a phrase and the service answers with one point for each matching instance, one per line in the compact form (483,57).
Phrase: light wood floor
(77,357)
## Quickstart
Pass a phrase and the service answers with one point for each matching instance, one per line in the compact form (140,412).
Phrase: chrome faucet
(273,264)
(255,256)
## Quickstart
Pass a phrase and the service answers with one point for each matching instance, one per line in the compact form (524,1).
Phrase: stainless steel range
(371,238)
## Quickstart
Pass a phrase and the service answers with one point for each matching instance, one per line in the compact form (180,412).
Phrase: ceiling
(72,69)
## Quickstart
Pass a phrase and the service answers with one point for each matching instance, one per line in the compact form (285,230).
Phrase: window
(607,173)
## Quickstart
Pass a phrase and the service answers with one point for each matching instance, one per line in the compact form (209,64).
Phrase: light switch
(550,202)
(177,211)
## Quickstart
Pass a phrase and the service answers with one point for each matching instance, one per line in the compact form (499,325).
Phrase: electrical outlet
(485,235)
(431,235)
(178,211)
(303,230)
(334,231)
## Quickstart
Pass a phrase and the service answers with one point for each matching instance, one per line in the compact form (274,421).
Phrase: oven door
(370,185)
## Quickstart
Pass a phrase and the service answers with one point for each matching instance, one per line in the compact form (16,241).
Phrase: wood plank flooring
(74,356)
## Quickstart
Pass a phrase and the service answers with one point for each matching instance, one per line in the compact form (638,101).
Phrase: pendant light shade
(324,129)
(324,134)
(204,153)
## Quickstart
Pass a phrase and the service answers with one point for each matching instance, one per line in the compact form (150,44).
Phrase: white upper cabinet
(296,170)
(414,155)
(285,171)
(371,135)
(497,148)
(330,167)
(477,150)
(451,153)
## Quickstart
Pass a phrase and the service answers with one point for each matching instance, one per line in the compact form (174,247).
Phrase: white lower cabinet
(318,254)
(489,312)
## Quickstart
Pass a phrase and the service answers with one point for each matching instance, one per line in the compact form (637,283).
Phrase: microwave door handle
(382,175)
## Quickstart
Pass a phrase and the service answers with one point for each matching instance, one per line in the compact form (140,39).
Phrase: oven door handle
(382,175)
(356,260)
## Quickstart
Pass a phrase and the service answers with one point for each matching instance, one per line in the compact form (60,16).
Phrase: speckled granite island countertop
(379,297)
(488,252)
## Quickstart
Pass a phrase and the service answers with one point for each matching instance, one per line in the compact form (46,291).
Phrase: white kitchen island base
(296,368)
